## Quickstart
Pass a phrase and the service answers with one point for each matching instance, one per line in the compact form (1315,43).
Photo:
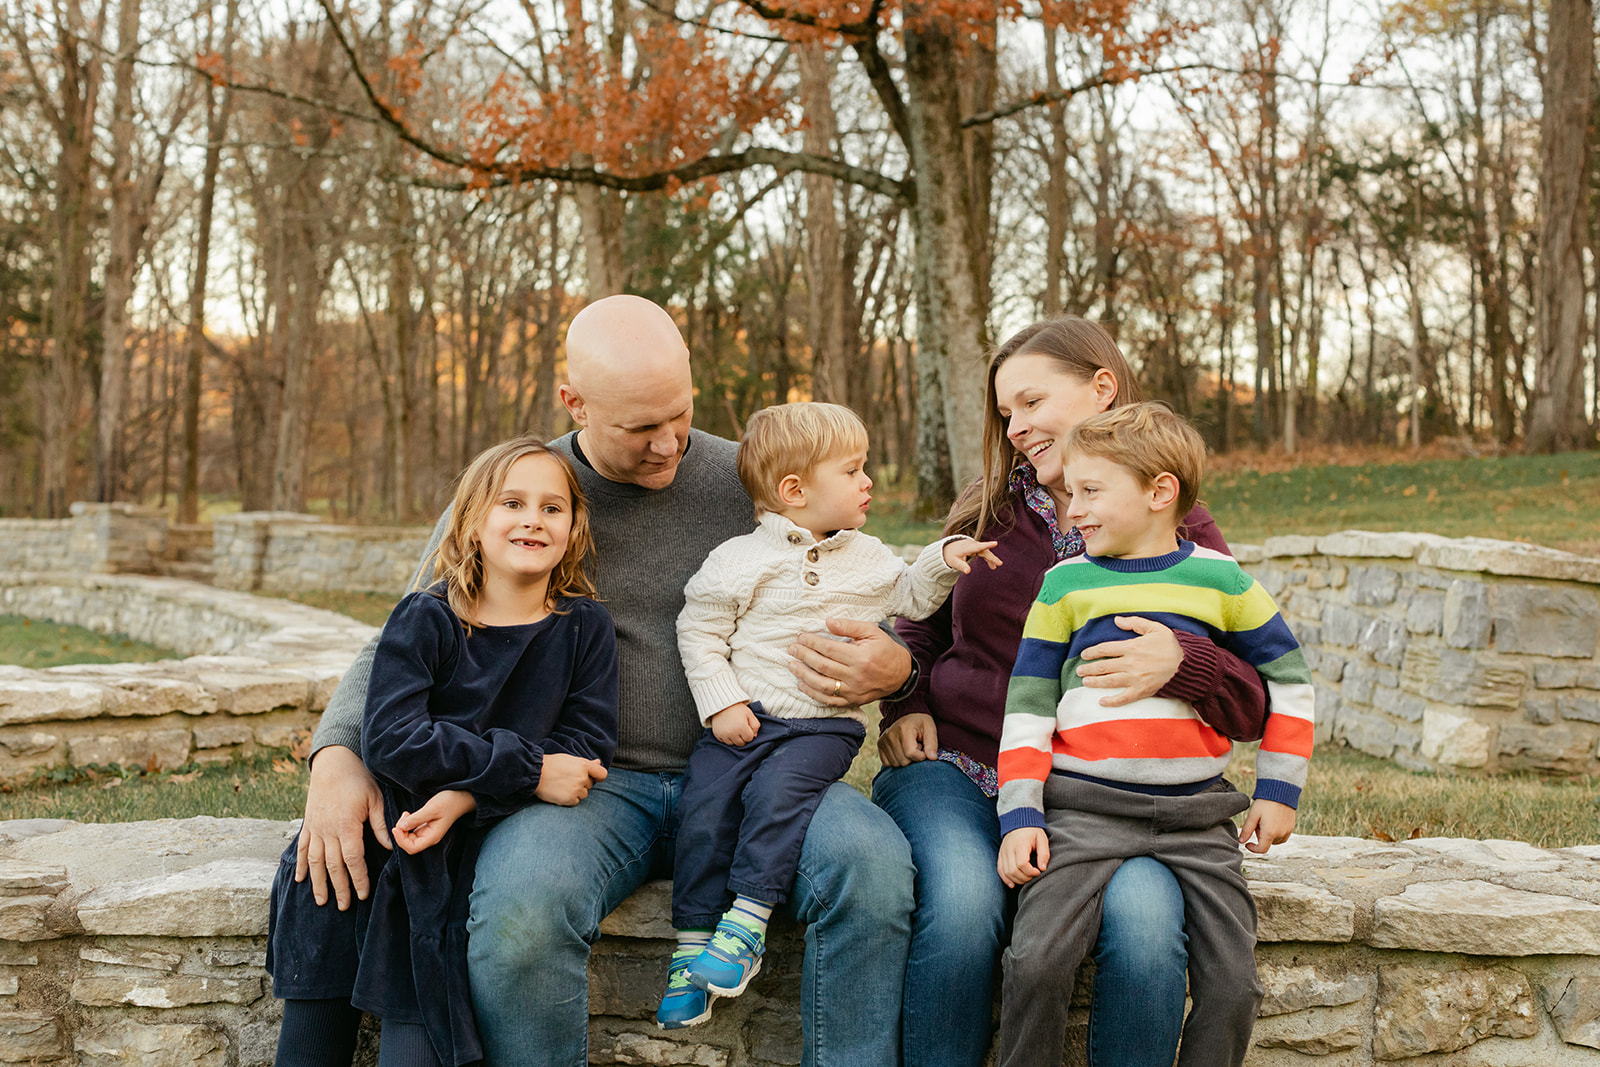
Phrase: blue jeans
(547,876)
(959,928)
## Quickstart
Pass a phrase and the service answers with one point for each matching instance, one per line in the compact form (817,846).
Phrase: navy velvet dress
(446,710)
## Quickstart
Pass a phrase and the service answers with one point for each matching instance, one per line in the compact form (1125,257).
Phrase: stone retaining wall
(260,671)
(1452,654)
(282,552)
(98,538)
(144,943)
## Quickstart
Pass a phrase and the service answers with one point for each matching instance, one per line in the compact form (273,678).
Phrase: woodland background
(316,251)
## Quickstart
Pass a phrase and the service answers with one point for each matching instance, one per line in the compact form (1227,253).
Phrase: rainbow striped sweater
(1155,745)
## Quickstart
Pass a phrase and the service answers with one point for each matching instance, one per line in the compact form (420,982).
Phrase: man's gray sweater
(648,543)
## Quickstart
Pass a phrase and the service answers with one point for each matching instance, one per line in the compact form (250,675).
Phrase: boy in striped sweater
(1084,786)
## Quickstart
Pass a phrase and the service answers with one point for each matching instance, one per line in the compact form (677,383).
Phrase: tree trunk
(1555,416)
(120,265)
(828,290)
(950,319)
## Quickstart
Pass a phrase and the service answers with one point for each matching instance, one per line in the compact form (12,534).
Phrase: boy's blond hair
(1148,439)
(458,561)
(792,439)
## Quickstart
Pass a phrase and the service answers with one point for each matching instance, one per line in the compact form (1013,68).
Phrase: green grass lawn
(370,608)
(270,786)
(1545,500)
(37,644)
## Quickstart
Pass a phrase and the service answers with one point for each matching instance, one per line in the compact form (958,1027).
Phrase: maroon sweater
(965,649)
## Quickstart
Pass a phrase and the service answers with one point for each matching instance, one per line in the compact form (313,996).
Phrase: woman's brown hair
(1082,348)
(458,561)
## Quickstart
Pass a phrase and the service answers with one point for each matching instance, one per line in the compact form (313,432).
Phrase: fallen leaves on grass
(111,783)
(286,766)
(301,748)
(179,779)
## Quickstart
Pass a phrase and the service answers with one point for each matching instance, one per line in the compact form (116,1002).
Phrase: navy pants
(745,810)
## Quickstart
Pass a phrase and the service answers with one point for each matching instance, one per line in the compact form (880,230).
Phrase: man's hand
(565,779)
(847,674)
(341,799)
(426,827)
(1024,854)
(1139,666)
(1269,822)
(962,549)
(735,725)
(909,739)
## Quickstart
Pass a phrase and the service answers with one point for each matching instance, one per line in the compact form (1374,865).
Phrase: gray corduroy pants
(1092,829)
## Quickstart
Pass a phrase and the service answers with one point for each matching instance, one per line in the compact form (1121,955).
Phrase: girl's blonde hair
(458,561)
(790,439)
(1082,348)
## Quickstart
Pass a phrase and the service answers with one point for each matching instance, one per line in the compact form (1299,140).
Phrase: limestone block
(22,878)
(224,898)
(1374,586)
(156,696)
(1575,1009)
(1425,613)
(1576,705)
(1546,620)
(777,1035)
(1542,709)
(27,918)
(1484,919)
(624,981)
(1370,545)
(29,1037)
(1467,622)
(1372,734)
(1290,545)
(222,734)
(1512,558)
(37,699)
(1290,911)
(1454,740)
(172,991)
(148,960)
(1245,554)
(251,693)
(1451,677)
(281,734)
(236,957)
(1310,1039)
(1565,674)
(18,743)
(1398,703)
(1511,857)
(258,1044)
(1342,625)
(9,985)
(160,1045)
(642,1049)
(1293,988)
(167,748)
(646,913)
(1384,640)
(1424,1010)
(1548,748)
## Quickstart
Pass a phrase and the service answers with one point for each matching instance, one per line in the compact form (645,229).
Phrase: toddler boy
(1084,786)
(756,776)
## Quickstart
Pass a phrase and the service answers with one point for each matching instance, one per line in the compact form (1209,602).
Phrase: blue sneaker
(684,1003)
(726,966)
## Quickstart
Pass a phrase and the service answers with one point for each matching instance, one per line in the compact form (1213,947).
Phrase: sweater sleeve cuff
(1020,819)
(713,694)
(1197,674)
(1282,792)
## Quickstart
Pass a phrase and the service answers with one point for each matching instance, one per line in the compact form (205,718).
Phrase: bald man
(661,496)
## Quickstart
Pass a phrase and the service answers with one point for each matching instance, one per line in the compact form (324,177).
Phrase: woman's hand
(341,799)
(1139,666)
(847,674)
(909,739)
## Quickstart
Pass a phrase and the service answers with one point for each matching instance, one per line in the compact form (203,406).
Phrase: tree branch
(499,174)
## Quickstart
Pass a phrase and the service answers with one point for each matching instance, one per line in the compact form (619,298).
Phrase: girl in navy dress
(493,688)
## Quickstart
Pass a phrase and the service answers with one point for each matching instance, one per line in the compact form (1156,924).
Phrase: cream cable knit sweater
(754,593)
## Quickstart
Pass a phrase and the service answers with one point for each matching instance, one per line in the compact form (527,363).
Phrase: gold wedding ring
(838,684)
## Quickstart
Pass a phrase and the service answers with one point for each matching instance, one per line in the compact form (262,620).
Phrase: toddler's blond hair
(792,439)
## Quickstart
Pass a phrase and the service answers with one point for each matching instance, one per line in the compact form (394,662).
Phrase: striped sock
(749,913)
(690,942)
